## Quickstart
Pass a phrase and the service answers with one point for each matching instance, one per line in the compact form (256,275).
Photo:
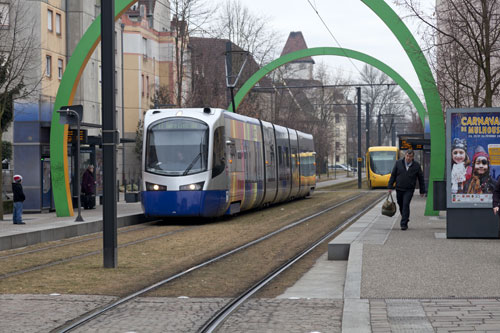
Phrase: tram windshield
(382,162)
(177,147)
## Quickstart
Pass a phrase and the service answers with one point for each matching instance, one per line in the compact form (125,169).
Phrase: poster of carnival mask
(473,156)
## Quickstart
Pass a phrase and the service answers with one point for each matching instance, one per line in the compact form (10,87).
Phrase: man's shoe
(19,223)
(404,227)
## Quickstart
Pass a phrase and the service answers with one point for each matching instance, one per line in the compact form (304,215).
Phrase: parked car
(345,167)
(336,166)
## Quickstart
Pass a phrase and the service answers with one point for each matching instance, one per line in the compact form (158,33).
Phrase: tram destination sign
(412,143)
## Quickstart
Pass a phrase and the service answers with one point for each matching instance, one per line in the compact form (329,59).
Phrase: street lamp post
(67,114)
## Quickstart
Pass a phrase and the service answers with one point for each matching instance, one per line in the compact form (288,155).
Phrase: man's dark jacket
(17,189)
(406,180)
(496,195)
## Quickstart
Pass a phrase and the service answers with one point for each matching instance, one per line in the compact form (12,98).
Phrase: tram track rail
(219,318)
(95,314)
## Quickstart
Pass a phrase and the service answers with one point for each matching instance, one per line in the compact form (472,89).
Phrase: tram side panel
(283,158)
(245,162)
(307,158)
(294,163)
(271,188)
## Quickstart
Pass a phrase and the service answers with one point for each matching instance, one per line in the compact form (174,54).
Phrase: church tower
(301,69)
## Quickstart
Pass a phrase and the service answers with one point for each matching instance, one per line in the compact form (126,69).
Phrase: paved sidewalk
(417,280)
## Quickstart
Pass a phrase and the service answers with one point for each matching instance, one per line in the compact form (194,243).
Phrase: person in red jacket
(17,190)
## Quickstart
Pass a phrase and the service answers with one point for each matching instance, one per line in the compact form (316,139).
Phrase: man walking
(405,174)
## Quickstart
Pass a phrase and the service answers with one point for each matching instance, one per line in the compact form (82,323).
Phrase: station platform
(414,280)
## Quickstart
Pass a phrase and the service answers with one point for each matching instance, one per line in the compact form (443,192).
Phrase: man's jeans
(18,212)
(404,199)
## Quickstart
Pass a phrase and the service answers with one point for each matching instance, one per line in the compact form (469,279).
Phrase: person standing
(496,198)
(405,173)
(88,188)
(17,190)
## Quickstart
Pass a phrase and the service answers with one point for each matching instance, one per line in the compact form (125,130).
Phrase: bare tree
(189,17)
(466,38)
(19,74)
(386,100)
(249,31)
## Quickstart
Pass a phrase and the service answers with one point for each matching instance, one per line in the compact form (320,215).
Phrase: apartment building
(144,61)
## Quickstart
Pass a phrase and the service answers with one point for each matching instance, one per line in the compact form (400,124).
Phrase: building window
(48,66)
(147,85)
(337,145)
(59,68)
(142,84)
(144,47)
(4,15)
(100,74)
(49,19)
(58,24)
(337,118)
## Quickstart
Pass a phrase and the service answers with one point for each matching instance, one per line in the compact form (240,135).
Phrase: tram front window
(177,147)
(382,162)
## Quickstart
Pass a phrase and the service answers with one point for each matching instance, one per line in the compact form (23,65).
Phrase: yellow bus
(379,163)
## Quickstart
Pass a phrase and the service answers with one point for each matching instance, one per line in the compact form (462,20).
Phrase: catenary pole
(109,134)
(359,136)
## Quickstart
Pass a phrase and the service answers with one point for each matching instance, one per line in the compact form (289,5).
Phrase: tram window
(280,156)
(218,163)
(287,157)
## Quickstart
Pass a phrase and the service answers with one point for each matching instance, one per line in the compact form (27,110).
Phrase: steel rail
(216,320)
(95,314)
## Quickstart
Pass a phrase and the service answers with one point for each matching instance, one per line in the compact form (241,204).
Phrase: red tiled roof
(296,42)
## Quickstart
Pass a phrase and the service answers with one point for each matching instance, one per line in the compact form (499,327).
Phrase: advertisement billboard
(472,156)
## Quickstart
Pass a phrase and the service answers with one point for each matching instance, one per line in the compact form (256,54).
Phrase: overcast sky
(353,25)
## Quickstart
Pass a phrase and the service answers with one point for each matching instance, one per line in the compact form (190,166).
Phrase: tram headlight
(155,187)
(192,187)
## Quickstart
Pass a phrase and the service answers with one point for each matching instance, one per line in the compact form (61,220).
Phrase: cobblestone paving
(435,315)
(286,315)
(43,313)
(156,314)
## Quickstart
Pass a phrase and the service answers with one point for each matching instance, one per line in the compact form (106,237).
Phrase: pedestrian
(496,198)
(88,188)
(17,189)
(405,173)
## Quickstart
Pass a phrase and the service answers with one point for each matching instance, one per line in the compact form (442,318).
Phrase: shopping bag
(389,206)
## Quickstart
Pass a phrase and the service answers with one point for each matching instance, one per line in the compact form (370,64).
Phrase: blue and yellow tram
(379,163)
(211,162)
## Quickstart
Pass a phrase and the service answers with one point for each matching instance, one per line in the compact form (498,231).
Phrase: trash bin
(439,195)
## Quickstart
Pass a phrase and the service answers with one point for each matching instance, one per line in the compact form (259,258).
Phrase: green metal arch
(431,94)
(429,88)
(89,41)
(65,95)
(252,81)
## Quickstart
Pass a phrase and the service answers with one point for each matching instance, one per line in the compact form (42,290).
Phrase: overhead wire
(331,34)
